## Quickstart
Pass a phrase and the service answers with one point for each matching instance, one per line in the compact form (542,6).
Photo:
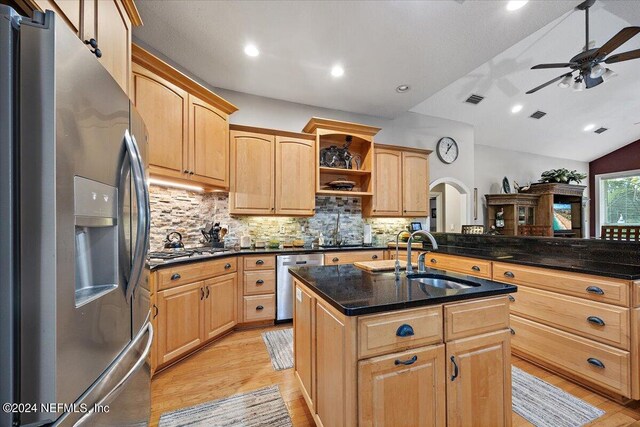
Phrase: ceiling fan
(588,63)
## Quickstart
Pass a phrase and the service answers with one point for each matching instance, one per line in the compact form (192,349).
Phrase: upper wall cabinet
(107,22)
(188,125)
(272,172)
(401,183)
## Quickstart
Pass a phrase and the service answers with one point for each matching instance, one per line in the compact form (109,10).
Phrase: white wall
(492,164)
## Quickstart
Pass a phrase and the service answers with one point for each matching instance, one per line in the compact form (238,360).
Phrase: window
(618,198)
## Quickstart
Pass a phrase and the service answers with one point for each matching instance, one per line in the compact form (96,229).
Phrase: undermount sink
(440,281)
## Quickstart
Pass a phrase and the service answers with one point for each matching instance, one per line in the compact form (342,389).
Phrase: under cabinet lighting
(163,183)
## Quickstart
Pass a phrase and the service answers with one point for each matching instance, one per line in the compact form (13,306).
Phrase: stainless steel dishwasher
(284,284)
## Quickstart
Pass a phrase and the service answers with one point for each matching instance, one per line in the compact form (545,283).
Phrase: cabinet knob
(91,42)
(595,320)
(227,266)
(335,259)
(405,331)
(259,262)
(259,282)
(97,53)
(475,268)
(175,276)
(374,257)
(595,362)
(259,307)
(190,172)
(186,171)
(434,261)
(509,274)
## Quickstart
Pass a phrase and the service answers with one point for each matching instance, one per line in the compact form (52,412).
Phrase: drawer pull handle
(513,332)
(455,368)
(259,262)
(227,266)
(201,294)
(175,276)
(208,292)
(475,268)
(434,261)
(509,274)
(405,331)
(259,307)
(155,307)
(595,290)
(595,320)
(406,362)
(511,298)
(595,362)
(259,282)
(335,259)
(374,257)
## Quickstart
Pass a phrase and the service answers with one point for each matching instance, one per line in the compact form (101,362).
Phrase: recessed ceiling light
(402,88)
(516,108)
(337,71)
(515,4)
(251,50)
(589,127)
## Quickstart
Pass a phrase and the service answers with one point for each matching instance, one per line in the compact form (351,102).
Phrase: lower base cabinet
(405,389)
(220,314)
(479,380)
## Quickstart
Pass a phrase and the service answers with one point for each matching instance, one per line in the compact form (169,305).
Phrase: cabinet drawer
(337,258)
(259,262)
(602,322)
(475,317)
(259,282)
(259,307)
(595,288)
(579,356)
(189,273)
(384,333)
(471,266)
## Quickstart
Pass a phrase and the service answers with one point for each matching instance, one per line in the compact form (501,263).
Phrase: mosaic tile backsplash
(187,212)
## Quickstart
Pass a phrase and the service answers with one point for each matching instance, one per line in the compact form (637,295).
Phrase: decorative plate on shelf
(341,184)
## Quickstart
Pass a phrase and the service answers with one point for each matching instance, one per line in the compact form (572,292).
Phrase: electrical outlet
(282,230)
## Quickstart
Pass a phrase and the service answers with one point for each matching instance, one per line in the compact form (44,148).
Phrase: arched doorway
(450,205)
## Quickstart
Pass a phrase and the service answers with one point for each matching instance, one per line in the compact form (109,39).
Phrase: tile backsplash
(187,212)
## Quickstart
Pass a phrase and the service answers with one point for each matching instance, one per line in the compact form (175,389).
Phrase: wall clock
(447,150)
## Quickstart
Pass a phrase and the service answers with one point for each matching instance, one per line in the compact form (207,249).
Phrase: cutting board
(377,266)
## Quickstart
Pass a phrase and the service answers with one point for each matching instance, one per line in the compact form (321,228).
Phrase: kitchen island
(373,350)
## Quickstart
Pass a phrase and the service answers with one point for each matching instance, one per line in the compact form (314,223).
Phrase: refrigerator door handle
(116,389)
(142,198)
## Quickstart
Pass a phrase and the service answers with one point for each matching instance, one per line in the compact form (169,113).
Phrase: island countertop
(355,292)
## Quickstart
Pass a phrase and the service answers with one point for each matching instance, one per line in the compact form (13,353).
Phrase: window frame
(599,188)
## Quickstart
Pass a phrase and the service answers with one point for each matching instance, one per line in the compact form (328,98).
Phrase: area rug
(263,407)
(545,405)
(280,347)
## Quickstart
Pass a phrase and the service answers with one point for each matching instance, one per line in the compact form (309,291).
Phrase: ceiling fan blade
(557,65)
(616,41)
(632,54)
(535,89)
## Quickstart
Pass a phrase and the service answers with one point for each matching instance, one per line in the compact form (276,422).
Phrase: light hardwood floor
(239,363)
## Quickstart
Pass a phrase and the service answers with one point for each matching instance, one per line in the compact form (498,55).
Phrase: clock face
(447,150)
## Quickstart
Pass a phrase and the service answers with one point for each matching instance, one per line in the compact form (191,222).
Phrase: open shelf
(343,193)
(340,171)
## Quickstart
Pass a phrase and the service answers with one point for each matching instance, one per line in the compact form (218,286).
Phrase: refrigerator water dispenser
(96,239)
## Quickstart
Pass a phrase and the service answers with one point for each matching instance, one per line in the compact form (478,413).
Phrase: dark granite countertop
(153,265)
(608,269)
(354,292)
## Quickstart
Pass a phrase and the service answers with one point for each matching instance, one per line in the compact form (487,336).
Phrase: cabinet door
(113,33)
(295,176)
(180,320)
(403,389)
(68,9)
(415,184)
(479,389)
(221,305)
(387,193)
(163,107)
(252,173)
(208,144)
(303,341)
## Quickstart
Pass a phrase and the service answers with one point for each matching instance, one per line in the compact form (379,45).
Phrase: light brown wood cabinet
(272,172)
(401,183)
(188,125)
(349,257)
(406,388)
(109,22)
(188,315)
(362,370)
(257,301)
(479,380)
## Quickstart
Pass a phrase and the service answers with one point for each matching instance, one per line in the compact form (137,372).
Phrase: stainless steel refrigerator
(74,295)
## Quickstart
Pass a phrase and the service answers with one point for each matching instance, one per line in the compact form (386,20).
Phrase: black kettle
(173,241)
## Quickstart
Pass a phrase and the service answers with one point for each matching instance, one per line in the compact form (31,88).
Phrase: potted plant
(563,176)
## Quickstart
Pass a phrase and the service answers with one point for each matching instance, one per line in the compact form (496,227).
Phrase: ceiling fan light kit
(589,63)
